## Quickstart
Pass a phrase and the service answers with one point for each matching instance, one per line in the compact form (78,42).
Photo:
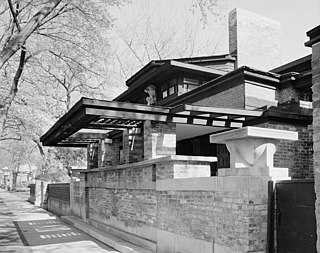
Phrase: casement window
(169,88)
(178,85)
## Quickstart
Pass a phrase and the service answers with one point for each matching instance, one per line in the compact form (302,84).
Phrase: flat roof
(90,120)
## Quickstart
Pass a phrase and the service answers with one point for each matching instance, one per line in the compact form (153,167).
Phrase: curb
(109,239)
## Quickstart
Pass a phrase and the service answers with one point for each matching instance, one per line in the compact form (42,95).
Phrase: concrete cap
(253,132)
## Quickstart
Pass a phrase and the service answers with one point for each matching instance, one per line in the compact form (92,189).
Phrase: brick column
(108,153)
(92,155)
(314,42)
(159,139)
(84,198)
(251,167)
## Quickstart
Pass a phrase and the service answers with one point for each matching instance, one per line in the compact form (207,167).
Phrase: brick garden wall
(58,201)
(234,220)
(145,203)
(75,198)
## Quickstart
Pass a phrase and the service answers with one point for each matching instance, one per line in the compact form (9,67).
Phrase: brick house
(153,173)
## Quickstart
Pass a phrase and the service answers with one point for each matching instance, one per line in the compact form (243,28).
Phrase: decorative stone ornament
(252,150)
(151,91)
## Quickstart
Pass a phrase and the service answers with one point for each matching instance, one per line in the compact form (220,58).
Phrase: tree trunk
(19,39)
(18,42)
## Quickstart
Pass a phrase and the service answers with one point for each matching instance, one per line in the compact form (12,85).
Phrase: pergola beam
(106,115)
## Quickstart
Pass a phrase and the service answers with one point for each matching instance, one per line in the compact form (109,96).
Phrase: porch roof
(90,120)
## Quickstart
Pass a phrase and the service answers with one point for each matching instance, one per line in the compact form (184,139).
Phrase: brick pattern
(159,139)
(231,98)
(131,207)
(316,130)
(75,192)
(136,177)
(59,192)
(128,197)
(93,155)
(232,219)
(136,152)
(287,94)
(295,155)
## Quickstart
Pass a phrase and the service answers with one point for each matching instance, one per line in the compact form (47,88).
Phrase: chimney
(254,40)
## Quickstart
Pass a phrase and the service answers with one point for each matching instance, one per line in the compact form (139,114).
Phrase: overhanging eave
(107,116)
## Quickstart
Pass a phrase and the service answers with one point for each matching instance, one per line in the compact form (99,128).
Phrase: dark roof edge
(207,58)
(292,64)
(204,89)
(144,70)
(314,36)
(161,62)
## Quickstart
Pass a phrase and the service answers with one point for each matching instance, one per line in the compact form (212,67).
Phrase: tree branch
(19,39)
(14,15)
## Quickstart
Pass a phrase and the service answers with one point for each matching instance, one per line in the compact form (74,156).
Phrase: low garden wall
(171,204)
(32,196)
(37,193)
(58,198)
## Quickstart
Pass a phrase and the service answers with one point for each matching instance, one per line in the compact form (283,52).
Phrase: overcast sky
(296,18)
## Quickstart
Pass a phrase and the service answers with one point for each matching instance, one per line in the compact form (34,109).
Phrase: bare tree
(152,33)
(58,39)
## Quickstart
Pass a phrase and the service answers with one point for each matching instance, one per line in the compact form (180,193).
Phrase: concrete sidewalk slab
(14,209)
(109,239)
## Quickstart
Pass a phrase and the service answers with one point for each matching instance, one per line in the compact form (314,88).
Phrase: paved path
(43,231)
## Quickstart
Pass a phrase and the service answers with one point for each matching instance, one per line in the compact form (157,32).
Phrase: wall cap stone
(253,132)
(180,158)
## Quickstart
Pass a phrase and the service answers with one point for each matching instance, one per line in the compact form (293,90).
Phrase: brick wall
(314,36)
(58,201)
(146,204)
(231,98)
(159,139)
(75,198)
(232,219)
(295,155)
(59,191)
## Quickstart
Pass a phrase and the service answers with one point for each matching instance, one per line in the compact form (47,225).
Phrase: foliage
(53,52)
(59,57)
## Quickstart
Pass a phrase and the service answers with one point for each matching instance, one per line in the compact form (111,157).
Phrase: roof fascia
(314,36)
(194,67)
(144,70)
(165,67)
(226,82)
(286,68)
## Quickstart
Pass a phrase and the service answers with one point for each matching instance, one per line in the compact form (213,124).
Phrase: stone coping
(243,184)
(253,132)
(169,158)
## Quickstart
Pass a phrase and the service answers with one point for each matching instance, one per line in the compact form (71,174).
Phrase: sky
(295,16)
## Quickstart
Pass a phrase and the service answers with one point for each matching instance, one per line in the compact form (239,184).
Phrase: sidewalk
(43,231)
